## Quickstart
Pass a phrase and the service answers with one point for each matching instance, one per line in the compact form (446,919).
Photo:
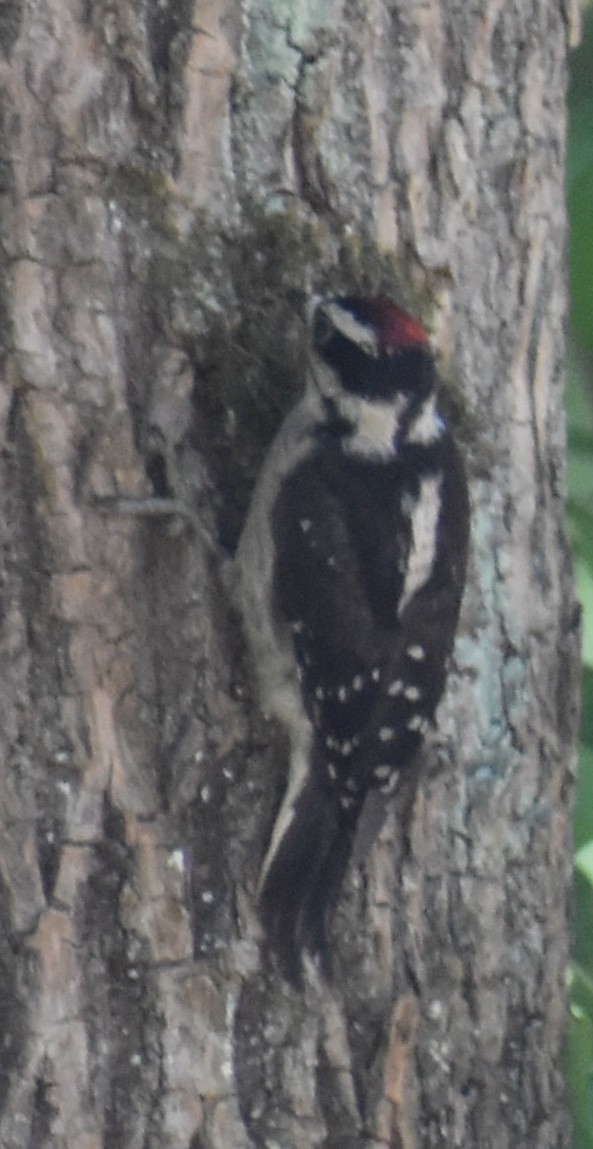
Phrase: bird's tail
(303,873)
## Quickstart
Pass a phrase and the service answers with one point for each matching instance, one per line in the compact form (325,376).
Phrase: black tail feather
(323,897)
(302,880)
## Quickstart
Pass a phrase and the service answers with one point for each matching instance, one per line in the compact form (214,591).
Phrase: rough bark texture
(169,170)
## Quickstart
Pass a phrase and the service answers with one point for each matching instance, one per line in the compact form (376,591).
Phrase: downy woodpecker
(350,573)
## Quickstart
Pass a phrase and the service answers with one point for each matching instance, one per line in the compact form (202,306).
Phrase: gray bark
(168,173)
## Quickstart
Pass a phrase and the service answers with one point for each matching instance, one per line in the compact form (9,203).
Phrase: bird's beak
(304,303)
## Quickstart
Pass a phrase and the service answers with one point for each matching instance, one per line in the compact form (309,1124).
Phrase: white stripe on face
(428,424)
(374,424)
(363,335)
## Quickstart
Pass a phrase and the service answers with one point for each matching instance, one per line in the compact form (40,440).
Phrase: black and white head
(375,371)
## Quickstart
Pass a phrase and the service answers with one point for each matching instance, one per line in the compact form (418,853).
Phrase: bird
(350,571)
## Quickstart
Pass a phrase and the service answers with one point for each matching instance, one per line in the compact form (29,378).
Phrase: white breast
(424,523)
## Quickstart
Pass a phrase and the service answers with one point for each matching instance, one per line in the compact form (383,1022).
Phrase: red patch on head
(395,328)
(398,329)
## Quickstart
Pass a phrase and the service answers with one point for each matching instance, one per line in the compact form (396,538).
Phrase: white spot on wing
(382,772)
(395,687)
(357,682)
(424,523)
(412,693)
(376,674)
(305,525)
(386,734)
(416,722)
(392,782)
(416,652)
(342,694)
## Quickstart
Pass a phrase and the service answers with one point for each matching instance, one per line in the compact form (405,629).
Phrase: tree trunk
(169,173)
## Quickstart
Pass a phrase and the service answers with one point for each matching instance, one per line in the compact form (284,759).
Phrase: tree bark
(169,173)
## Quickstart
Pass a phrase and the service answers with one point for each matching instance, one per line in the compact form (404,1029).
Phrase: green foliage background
(580,510)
